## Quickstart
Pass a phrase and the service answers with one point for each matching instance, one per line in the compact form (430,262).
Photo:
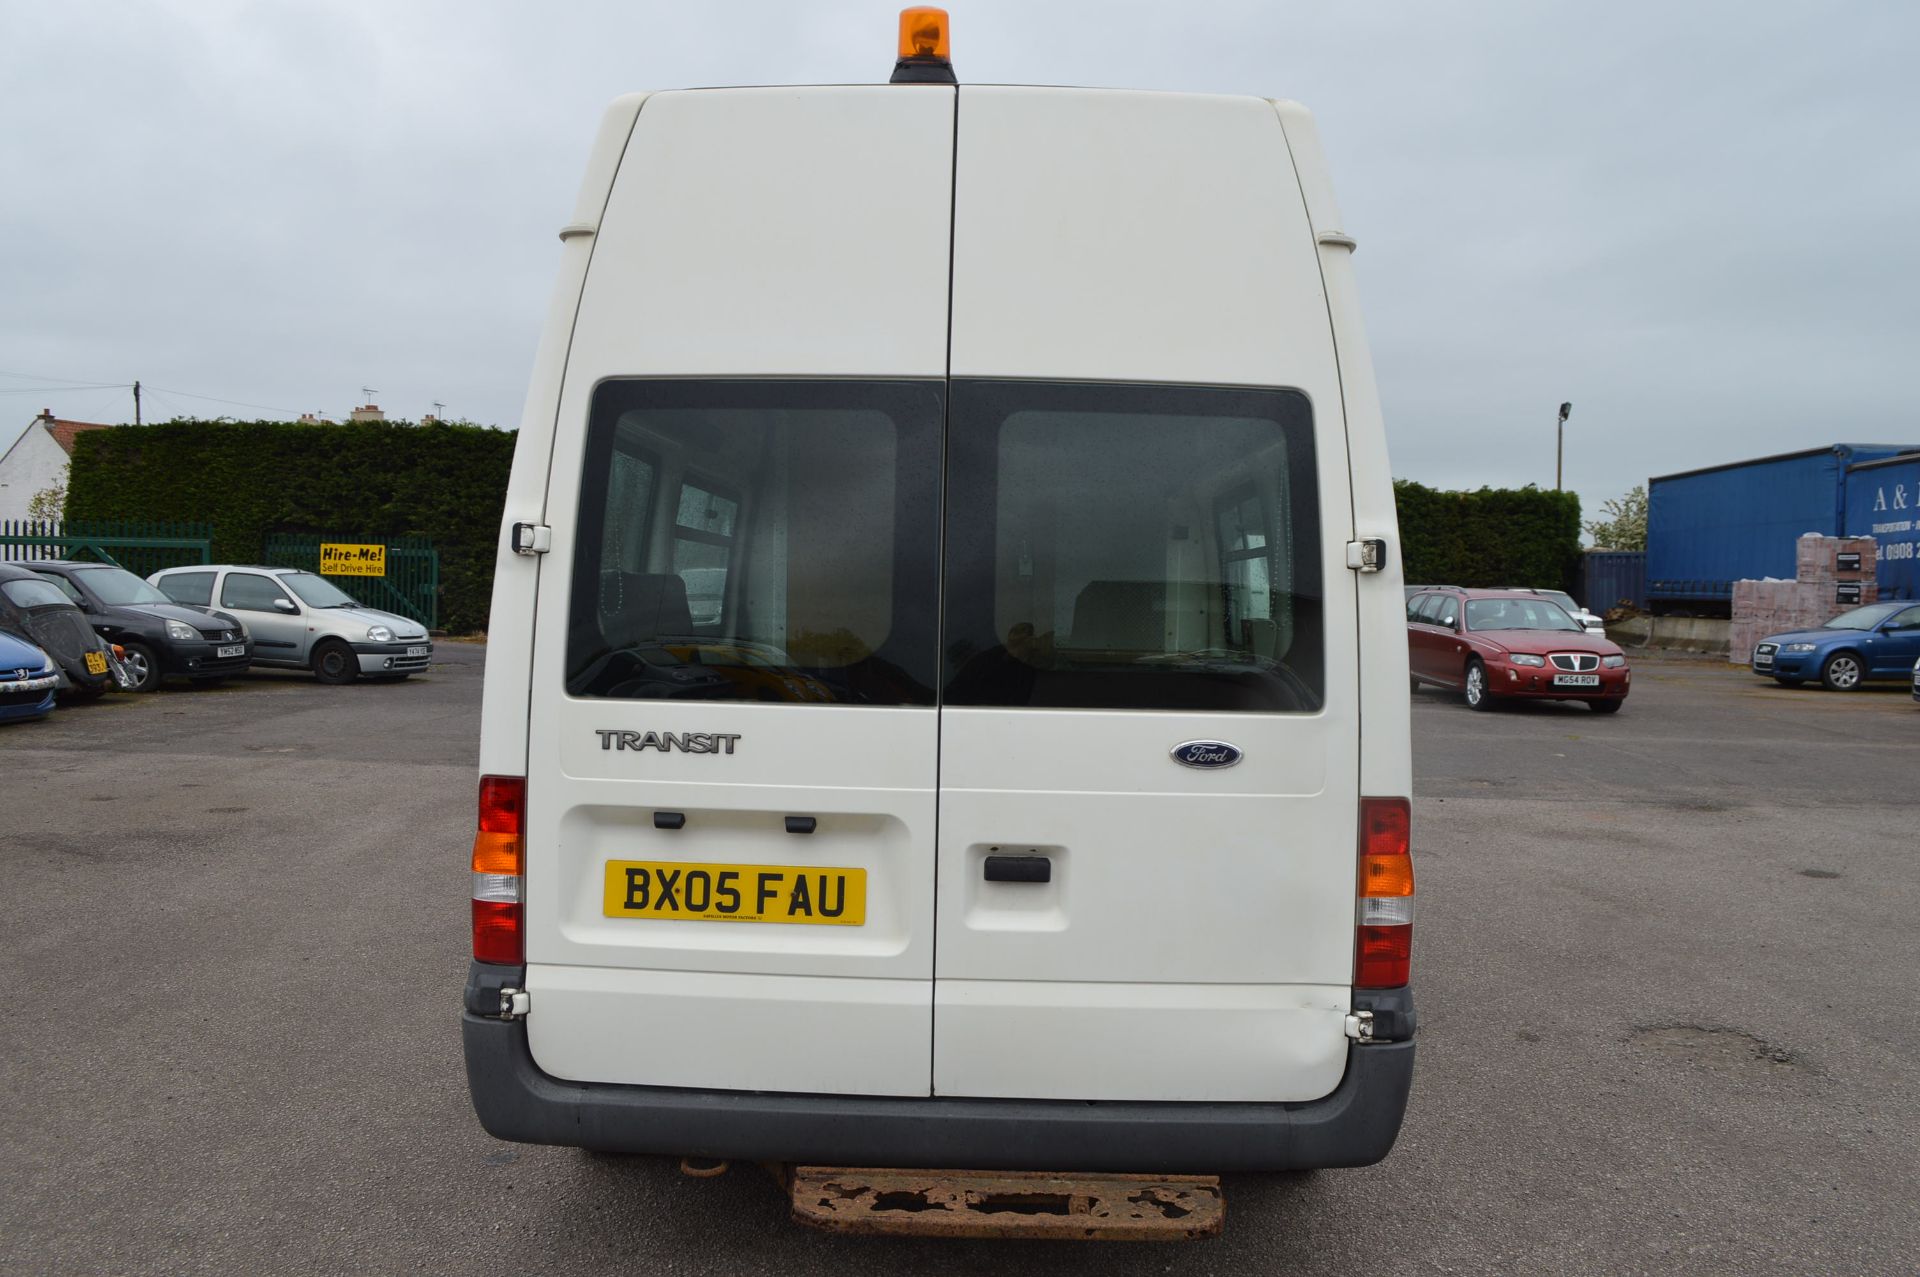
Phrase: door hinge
(515,1003)
(1360,1026)
(1368,555)
(532,538)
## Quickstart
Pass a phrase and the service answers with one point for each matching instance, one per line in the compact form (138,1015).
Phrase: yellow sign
(735,893)
(352,560)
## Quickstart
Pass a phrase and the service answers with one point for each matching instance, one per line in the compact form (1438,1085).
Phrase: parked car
(1588,621)
(34,609)
(28,679)
(157,636)
(302,621)
(1916,680)
(1493,645)
(1880,640)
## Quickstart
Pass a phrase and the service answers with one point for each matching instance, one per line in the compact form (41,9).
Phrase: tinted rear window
(1132,547)
(759,541)
(193,588)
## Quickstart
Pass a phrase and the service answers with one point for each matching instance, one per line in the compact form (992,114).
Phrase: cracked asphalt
(1664,963)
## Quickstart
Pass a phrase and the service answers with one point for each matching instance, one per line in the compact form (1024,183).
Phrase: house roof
(64,432)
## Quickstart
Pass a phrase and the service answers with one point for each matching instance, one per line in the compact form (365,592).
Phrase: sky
(1698,222)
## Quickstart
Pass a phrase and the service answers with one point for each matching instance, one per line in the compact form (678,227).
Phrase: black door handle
(1019,869)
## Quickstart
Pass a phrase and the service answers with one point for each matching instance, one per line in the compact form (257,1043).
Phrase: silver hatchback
(303,621)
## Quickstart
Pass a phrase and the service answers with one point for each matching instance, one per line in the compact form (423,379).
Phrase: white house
(37,461)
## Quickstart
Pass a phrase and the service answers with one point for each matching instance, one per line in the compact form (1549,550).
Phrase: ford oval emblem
(1206,753)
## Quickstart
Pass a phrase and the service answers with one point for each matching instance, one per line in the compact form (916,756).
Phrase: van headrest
(642,607)
(1130,616)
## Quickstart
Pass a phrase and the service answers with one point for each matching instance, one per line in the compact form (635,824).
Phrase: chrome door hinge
(515,1003)
(532,538)
(1369,555)
(1360,1026)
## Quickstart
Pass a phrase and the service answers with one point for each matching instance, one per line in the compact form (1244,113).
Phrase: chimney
(367,412)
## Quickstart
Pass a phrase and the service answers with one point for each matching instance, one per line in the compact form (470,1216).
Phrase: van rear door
(733,734)
(1149,746)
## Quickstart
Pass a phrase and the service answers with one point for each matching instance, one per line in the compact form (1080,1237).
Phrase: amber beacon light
(926,47)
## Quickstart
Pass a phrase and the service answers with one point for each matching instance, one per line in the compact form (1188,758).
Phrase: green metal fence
(140,546)
(410,585)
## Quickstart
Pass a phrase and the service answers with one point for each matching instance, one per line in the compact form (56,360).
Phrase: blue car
(27,680)
(1880,640)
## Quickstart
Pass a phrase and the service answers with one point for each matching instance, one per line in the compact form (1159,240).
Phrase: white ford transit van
(946,691)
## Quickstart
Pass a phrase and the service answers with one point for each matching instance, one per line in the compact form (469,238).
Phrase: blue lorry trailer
(1708,528)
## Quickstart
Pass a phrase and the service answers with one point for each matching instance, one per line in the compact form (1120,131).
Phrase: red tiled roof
(63,432)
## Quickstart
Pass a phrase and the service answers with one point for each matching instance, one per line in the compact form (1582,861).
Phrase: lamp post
(1560,444)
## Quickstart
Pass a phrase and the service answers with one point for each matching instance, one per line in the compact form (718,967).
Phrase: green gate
(409,582)
(141,547)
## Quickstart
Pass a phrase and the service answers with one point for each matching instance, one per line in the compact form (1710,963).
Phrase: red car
(1490,645)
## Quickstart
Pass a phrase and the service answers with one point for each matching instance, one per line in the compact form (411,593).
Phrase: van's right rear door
(1147,510)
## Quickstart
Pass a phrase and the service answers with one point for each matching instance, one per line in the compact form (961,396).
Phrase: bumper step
(1012,1204)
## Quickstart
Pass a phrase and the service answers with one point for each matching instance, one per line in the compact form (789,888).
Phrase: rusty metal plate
(1008,1204)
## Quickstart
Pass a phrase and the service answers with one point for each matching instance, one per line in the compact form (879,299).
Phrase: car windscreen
(317,591)
(1863,618)
(1132,547)
(33,593)
(1518,614)
(117,587)
(759,541)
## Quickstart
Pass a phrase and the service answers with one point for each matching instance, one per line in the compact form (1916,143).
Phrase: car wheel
(1842,672)
(1478,697)
(142,664)
(1788,682)
(1607,707)
(334,662)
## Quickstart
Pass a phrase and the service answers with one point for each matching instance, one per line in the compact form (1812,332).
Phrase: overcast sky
(1695,221)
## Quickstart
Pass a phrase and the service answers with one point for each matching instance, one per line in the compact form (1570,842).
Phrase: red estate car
(1494,644)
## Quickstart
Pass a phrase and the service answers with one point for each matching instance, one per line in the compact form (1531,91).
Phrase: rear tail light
(499,871)
(1383,941)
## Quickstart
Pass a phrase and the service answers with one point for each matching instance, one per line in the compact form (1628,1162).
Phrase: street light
(1560,444)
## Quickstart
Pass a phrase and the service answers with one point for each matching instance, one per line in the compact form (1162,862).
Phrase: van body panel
(505,704)
(1105,234)
(1030,1039)
(816,247)
(748,233)
(1386,762)
(730,1032)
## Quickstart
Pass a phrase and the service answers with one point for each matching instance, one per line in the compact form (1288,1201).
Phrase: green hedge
(365,480)
(1496,536)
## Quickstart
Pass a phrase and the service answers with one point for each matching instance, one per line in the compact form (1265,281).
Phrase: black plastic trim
(801,824)
(923,71)
(1355,1125)
(669,820)
(484,982)
(1019,869)
(1393,1017)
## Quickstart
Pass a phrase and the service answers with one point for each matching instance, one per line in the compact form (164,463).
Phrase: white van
(945,699)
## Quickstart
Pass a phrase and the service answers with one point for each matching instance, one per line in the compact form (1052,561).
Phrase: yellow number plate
(735,893)
(96,662)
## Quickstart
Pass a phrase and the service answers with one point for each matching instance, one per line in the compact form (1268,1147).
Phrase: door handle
(1019,869)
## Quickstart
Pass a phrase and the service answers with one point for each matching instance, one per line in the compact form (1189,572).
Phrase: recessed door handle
(1019,869)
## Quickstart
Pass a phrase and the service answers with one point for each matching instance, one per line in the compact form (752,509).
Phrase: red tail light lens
(499,869)
(1383,936)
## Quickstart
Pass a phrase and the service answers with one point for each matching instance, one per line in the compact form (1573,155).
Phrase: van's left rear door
(733,741)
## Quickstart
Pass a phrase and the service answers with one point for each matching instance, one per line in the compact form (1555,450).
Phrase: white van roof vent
(926,47)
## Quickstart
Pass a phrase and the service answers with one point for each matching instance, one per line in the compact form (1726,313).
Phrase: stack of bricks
(1832,574)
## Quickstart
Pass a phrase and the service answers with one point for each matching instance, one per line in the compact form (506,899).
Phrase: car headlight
(1524,658)
(379,634)
(1798,647)
(181,632)
(1613,662)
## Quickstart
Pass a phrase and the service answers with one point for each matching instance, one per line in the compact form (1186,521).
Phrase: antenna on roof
(368,392)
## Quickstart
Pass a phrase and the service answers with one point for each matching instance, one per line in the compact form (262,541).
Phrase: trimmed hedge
(366,480)
(1495,536)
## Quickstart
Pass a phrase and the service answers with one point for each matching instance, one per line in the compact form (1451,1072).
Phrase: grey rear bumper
(1353,1126)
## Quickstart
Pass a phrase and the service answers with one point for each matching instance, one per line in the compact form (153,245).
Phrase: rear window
(759,541)
(192,588)
(1132,547)
(34,593)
